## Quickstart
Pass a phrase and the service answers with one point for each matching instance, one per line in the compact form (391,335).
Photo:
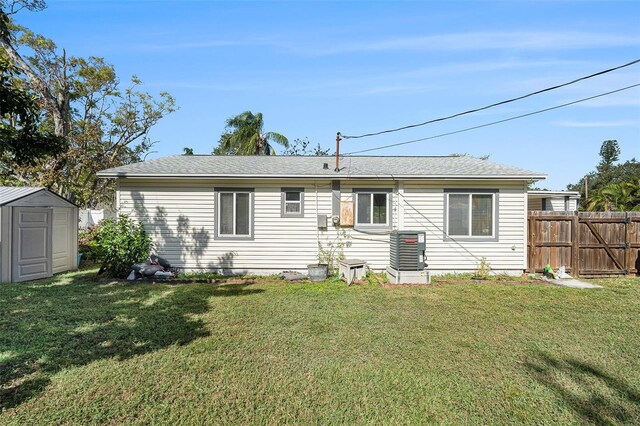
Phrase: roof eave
(111,175)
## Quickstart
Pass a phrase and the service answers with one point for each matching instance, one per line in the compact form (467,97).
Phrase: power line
(494,122)
(495,104)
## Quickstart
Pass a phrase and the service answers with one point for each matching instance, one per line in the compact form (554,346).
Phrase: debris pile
(549,273)
(156,267)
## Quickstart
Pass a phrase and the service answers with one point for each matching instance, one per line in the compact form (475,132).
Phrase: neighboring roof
(9,194)
(277,166)
(550,194)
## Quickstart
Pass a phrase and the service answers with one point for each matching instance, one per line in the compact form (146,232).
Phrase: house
(265,214)
(38,234)
(556,201)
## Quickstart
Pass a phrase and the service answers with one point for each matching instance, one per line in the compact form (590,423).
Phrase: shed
(38,234)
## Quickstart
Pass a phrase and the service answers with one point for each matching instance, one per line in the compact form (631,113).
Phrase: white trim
(234,218)
(470,194)
(387,203)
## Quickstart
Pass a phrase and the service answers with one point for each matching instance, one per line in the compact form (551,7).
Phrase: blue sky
(315,68)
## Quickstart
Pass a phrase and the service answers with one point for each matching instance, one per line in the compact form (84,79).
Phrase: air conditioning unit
(407,250)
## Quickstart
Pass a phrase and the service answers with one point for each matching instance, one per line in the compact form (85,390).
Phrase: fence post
(531,267)
(628,253)
(575,245)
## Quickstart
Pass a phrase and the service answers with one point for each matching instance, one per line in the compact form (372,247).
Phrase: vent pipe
(338,139)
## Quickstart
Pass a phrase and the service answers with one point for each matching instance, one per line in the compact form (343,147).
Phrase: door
(61,247)
(31,246)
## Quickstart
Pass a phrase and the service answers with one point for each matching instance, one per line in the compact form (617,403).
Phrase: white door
(62,259)
(31,247)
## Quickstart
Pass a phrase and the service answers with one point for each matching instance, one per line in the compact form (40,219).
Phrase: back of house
(266,214)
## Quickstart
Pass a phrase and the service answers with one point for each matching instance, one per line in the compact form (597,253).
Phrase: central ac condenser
(407,251)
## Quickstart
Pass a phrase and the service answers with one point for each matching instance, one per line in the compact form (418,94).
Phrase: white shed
(38,234)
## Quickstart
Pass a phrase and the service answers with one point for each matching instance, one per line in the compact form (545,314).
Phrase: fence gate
(586,243)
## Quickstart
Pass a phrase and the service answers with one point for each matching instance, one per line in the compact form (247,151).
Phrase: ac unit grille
(407,250)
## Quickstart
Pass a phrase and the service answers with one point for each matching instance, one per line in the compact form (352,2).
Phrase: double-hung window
(373,208)
(234,217)
(471,214)
(292,202)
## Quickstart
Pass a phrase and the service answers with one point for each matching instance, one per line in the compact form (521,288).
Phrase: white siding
(555,204)
(424,210)
(181,219)
(179,214)
(534,204)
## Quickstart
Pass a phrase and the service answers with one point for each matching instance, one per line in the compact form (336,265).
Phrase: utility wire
(452,239)
(493,105)
(493,122)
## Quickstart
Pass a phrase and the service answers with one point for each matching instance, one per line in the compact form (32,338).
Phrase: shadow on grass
(588,391)
(72,320)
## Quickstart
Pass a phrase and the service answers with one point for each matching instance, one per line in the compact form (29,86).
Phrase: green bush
(123,242)
(88,243)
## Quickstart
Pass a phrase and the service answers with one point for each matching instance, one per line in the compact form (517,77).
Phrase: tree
(58,104)
(609,154)
(301,147)
(81,101)
(187,151)
(20,137)
(244,135)
(614,196)
(607,172)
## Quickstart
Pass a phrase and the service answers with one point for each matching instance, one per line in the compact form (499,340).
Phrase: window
(292,202)
(471,215)
(234,218)
(373,208)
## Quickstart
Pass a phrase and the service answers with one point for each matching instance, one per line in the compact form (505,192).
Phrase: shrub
(88,243)
(123,243)
(483,271)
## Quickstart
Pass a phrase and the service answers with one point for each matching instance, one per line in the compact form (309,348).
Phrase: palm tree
(244,135)
(614,196)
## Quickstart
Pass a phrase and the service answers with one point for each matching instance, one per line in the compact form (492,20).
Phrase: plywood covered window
(234,217)
(471,214)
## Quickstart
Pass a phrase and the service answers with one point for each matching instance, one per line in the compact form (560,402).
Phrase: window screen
(470,215)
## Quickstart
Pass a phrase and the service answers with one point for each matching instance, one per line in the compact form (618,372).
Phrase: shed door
(61,246)
(32,231)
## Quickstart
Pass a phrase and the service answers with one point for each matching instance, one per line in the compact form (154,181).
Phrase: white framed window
(234,213)
(471,215)
(292,202)
(373,208)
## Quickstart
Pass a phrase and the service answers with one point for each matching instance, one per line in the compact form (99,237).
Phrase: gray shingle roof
(9,194)
(365,167)
(13,193)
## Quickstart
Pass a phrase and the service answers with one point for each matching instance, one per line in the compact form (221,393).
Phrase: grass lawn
(76,351)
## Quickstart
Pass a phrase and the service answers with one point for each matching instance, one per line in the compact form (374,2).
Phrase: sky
(317,68)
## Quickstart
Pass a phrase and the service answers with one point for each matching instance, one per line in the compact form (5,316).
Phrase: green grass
(76,351)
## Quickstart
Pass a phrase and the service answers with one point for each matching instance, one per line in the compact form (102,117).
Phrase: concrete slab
(408,277)
(573,283)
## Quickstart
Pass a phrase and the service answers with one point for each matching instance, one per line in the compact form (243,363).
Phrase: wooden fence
(586,243)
